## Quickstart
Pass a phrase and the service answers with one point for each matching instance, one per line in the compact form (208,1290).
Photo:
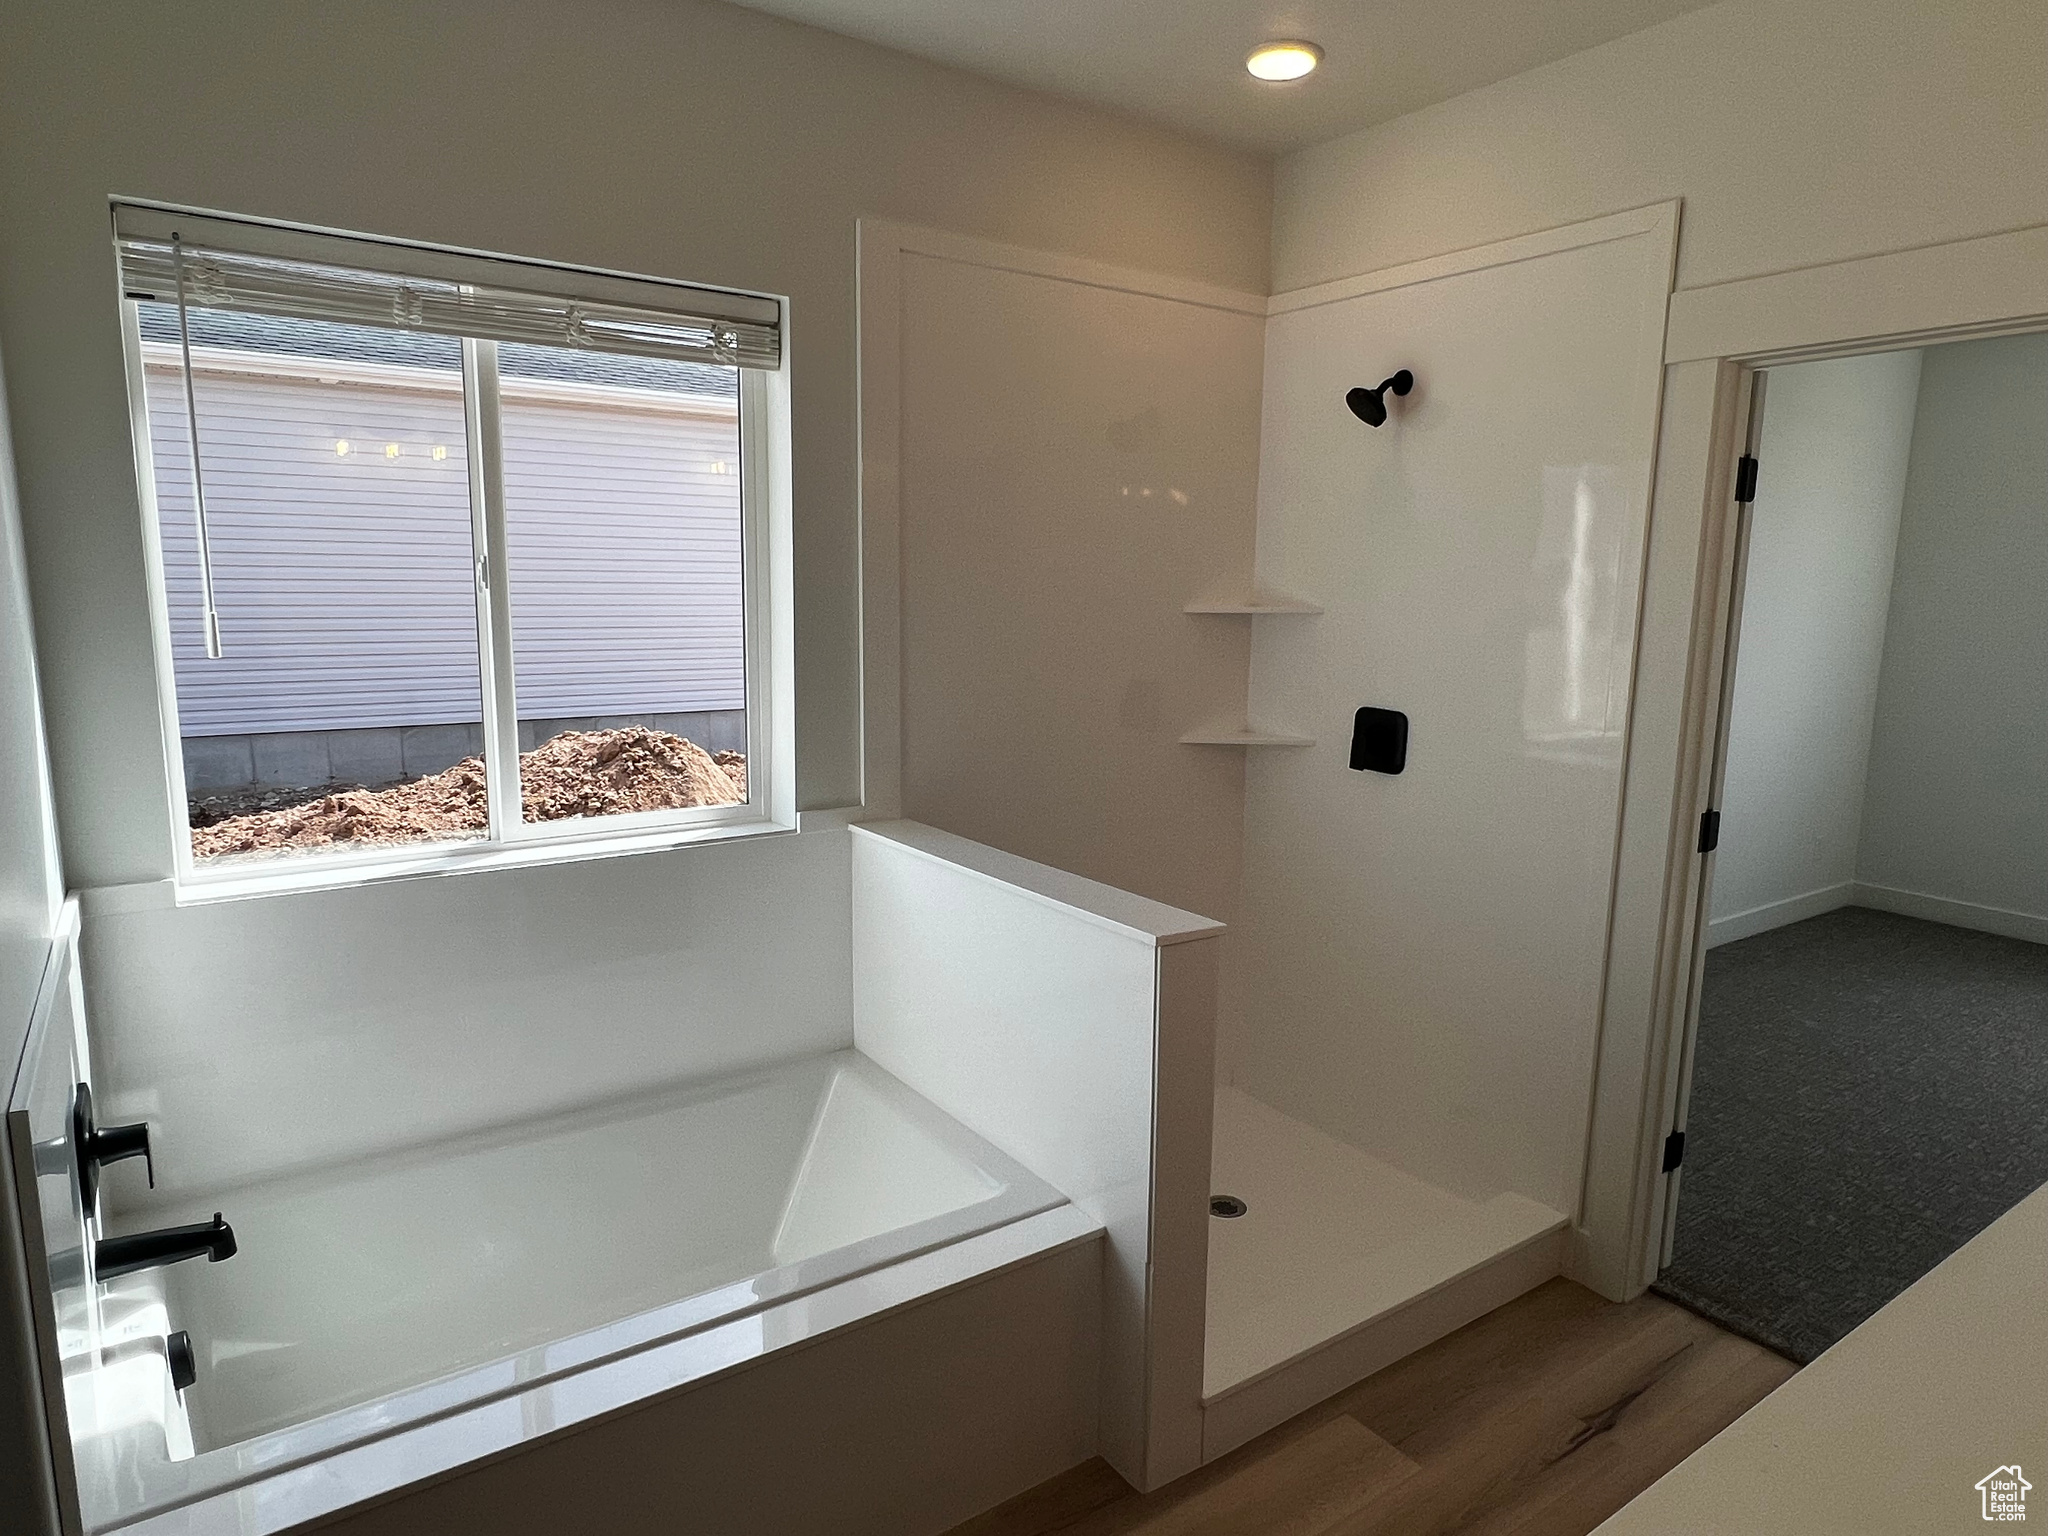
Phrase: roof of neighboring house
(428,349)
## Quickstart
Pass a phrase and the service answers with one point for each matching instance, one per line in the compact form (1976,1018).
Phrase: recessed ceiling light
(1284,60)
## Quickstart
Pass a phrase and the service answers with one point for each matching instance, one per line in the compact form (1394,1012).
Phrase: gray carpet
(1869,1092)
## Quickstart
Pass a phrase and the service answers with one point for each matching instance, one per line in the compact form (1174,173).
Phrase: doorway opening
(1865,1076)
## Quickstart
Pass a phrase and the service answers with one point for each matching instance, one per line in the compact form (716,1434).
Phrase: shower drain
(1226,1205)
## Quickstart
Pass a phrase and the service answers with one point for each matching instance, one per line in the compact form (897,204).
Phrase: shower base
(1340,1264)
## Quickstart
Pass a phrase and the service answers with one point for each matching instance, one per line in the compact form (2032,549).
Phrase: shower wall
(1078,457)
(1422,955)
(1956,811)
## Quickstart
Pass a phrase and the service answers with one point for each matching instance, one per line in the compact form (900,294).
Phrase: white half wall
(1074,1027)
(1955,819)
(1833,456)
(267,1034)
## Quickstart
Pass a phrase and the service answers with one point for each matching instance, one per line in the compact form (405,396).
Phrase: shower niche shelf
(1255,603)
(1252,604)
(1244,736)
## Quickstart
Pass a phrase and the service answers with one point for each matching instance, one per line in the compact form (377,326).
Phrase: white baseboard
(1776,914)
(1957,914)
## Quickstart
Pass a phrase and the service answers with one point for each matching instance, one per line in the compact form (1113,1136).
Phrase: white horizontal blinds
(261,269)
(209,609)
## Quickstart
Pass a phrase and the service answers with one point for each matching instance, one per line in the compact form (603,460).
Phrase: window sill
(315,874)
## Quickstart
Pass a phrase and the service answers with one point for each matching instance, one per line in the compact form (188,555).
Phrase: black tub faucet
(114,1256)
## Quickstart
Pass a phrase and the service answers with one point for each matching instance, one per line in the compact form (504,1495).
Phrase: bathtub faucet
(167,1245)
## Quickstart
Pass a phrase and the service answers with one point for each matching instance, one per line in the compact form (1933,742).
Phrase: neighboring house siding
(345,583)
(623,536)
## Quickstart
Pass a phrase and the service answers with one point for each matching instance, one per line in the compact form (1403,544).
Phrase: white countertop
(1892,1429)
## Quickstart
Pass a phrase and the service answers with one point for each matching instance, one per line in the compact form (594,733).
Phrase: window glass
(624,544)
(344,711)
(455,550)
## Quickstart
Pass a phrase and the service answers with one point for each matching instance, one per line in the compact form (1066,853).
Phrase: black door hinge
(1710,831)
(1745,478)
(1674,1151)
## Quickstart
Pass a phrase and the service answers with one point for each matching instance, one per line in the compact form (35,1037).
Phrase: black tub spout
(167,1245)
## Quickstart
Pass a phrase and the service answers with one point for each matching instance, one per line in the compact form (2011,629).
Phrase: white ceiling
(1181,62)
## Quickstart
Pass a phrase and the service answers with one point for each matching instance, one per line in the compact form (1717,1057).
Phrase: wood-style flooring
(1540,1419)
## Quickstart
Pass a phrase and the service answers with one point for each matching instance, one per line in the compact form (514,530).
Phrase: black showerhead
(1366,405)
(1370,405)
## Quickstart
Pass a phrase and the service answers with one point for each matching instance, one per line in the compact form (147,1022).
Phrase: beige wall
(1835,443)
(1956,811)
(1797,131)
(677,137)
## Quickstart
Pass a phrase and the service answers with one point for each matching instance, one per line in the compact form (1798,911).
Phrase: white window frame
(511,841)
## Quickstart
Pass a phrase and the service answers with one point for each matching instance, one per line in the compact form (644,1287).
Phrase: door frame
(1718,341)
(1714,768)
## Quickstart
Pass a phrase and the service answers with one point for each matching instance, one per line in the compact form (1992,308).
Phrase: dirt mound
(610,773)
(579,773)
(444,805)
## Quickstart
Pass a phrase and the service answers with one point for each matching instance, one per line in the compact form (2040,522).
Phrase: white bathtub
(793,1301)
(408,1287)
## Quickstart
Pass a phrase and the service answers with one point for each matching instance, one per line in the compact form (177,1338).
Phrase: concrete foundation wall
(388,754)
